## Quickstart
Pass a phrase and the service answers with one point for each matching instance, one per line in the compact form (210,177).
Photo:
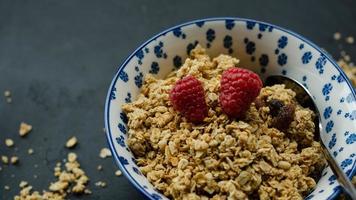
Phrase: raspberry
(238,89)
(187,96)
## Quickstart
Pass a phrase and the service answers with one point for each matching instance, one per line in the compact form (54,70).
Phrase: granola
(222,158)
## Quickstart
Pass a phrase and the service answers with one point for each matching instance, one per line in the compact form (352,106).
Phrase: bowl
(266,49)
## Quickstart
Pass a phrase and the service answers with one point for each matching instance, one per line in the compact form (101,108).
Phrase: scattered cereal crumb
(24,129)
(72,157)
(71,142)
(35,176)
(104,153)
(87,191)
(23,184)
(9,100)
(101,184)
(6,187)
(99,167)
(30,151)
(14,160)
(7,93)
(337,36)
(9,142)
(350,40)
(4,159)
(118,173)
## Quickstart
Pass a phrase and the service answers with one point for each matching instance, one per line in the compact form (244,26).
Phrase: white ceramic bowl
(265,48)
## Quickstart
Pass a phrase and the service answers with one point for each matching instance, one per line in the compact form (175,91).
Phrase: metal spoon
(305,99)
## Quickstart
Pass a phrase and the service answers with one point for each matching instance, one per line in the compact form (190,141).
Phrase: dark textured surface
(58,58)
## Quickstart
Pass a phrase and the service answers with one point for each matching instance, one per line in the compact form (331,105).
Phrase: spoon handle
(343,180)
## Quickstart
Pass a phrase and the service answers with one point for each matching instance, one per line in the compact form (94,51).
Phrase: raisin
(284,117)
(275,106)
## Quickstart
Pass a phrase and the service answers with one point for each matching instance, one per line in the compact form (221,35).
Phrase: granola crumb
(71,142)
(14,160)
(349,40)
(337,36)
(101,184)
(99,167)
(104,153)
(24,129)
(5,159)
(23,184)
(9,142)
(87,191)
(8,100)
(30,151)
(7,93)
(118,173)
(6,187)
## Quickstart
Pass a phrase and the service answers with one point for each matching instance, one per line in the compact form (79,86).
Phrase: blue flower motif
(178,33)
(327,89)
(259,36)
(159,51)
(350,98)
(304,78)
(139,54)
(200,24)
(333,77)
(139,80)
(329,126)
(320,63)
(250,25)
(332,141)
(228,43)
(346,133)
(327,112)
(210,35)
(342,99)
(352,155)
(147,50)
(112,93)
(335,153)
(339,112)
(123,160)
(341,149)
(156,196)
(351,139)
(177,61)
(340,79)
(191,46)
(229,24)
(332,178)
(123,76)
(264,60)
(282,42)
(276,51)
(122,128)
(301,46)
(121,141)
(128,98)
(321,191)
(262,27)
(123,117)
(136,171)
(307,56)
(284,72)
(154,68)
(282,59)
(250,47)
(346,163)
(270,28)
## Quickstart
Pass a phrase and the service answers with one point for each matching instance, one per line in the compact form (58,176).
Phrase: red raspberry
(238,89)
(187,97)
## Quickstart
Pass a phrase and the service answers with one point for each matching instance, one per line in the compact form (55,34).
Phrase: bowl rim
(124,64)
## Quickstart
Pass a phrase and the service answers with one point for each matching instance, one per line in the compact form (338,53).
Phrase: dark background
(58,58)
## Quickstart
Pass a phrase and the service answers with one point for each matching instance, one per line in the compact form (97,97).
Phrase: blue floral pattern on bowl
(264,48)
